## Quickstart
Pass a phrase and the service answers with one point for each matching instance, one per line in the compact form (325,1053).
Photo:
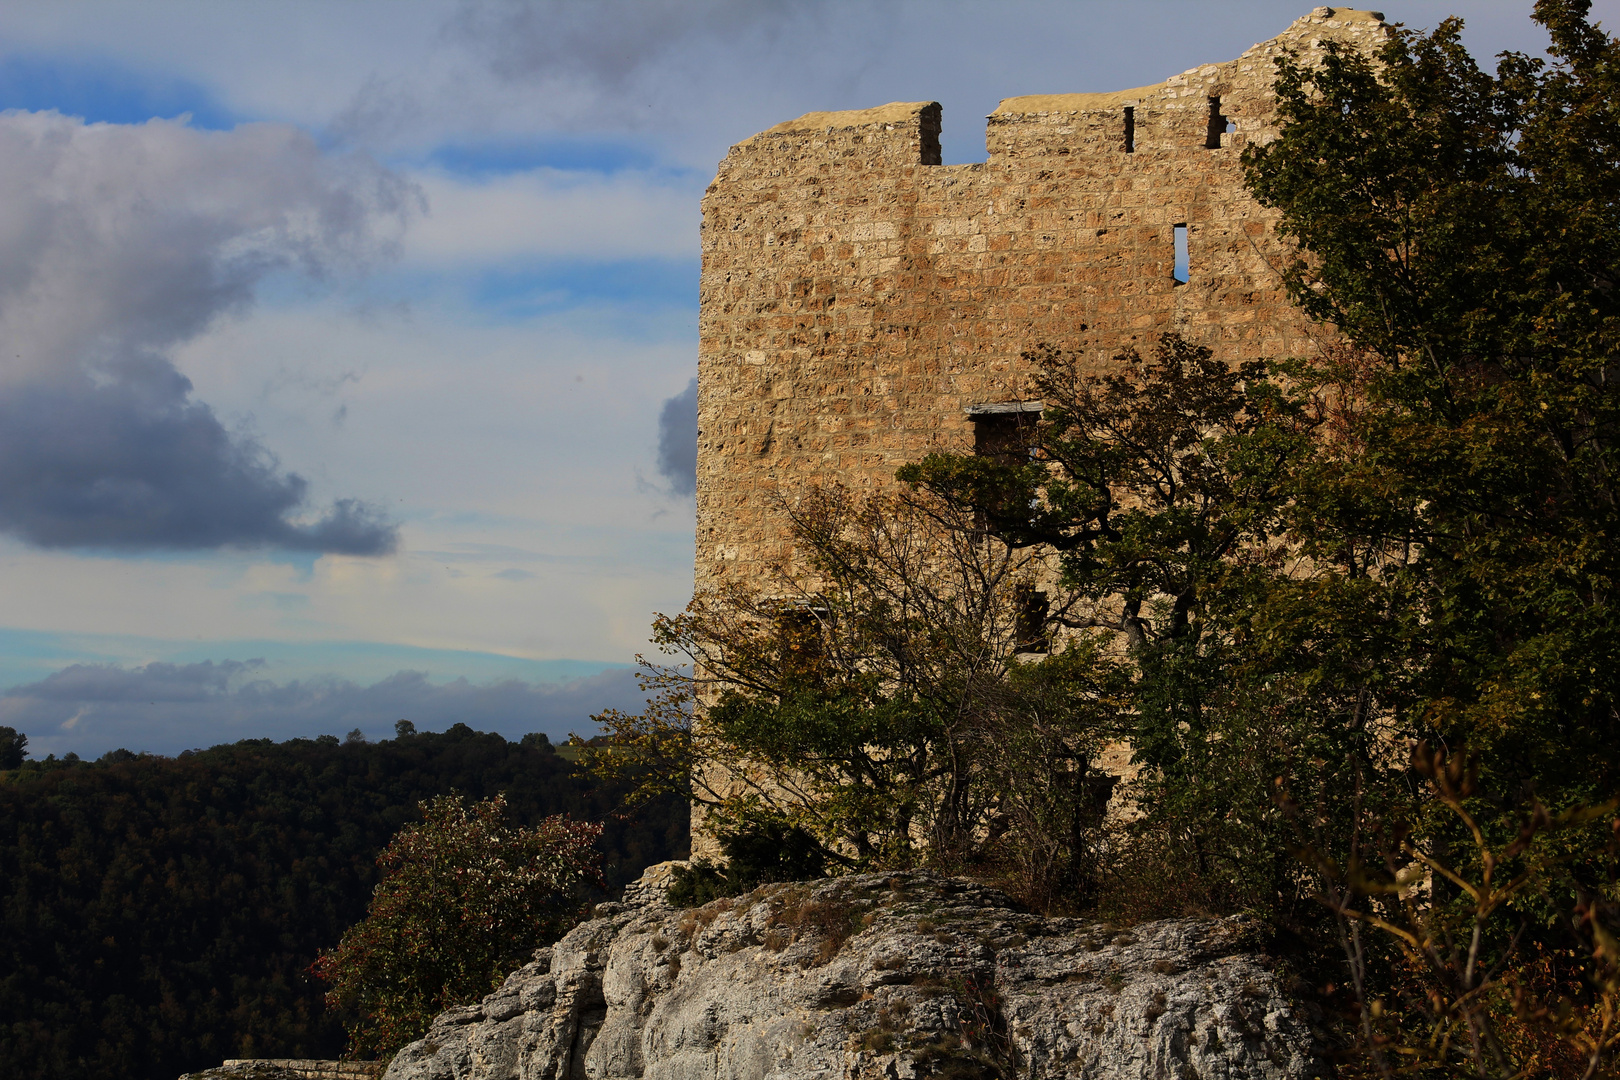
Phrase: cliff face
(881,976)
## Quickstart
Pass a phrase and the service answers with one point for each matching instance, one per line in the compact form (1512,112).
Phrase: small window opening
(1094,791)
(798,635)
(1005,431)
(1180,269)
(1218,125)
(1030,609)
(1130,129)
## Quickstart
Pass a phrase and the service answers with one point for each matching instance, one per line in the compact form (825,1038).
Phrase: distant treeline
(159,914)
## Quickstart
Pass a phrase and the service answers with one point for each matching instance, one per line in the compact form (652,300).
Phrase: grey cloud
(640,64)
(144,467)
(677,441)
(165,708)
(606,42)
(119,243)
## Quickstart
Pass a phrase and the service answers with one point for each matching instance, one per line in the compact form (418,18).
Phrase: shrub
(463,900)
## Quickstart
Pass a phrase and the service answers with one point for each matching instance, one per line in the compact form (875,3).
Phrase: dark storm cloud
(102,466)
(677,441)
(120,243)
(165,708)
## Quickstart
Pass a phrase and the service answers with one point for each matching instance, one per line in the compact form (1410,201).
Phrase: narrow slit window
(1180,269)
(1217,125)
(1130,129)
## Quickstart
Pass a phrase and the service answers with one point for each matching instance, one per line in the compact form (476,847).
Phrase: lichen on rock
(891,976)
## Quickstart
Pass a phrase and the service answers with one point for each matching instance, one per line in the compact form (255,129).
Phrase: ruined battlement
(859,299)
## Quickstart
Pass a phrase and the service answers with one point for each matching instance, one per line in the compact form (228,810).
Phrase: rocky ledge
(889,976)
(290,1069)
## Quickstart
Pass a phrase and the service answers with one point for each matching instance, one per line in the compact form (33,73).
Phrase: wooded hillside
(159,914)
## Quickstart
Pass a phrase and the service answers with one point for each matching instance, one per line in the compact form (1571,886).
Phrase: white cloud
(119,243)
(497,447)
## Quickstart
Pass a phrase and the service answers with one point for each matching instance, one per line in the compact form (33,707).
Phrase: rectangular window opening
(1217,125)
(798,636)
(1181,267)
(1130,129)
(1030,609)
(1005,431)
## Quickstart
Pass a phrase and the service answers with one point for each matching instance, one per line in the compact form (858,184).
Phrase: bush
(463,900)
(772,851)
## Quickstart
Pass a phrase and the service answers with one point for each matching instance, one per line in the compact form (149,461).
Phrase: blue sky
(353,327)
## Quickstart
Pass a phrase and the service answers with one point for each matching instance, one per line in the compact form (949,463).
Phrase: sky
(348,348)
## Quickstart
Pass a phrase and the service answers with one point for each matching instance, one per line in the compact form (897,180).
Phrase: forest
(158,915)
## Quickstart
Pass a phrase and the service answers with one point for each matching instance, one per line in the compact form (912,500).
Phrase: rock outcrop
(890,976)
(289,1069)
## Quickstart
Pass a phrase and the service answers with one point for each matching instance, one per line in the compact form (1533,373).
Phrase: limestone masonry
(861,301)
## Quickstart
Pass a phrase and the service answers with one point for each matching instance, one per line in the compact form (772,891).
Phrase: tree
(1459,229)
(876,696)
(1410,536)
(1166,487)
(463,900)
(13,748)
(1463,232)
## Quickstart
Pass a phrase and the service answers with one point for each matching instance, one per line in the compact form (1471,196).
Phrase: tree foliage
(158,915)
(464,899)
(13,748)
(1460,229)
(873,696)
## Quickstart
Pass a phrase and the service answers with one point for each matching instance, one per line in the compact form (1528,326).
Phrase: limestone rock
(289,1069)
(893,976)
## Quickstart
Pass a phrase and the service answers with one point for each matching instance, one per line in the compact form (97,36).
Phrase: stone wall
(858,297)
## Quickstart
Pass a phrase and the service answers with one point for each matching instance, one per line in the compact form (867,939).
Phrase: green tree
(1409,536)
(464,899)
(876,695)
(1463,232)
(1166,488)
(1459,228)
(13,748)
(160,914)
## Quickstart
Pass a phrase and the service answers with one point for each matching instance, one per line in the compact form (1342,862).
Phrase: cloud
(552,213)
(120,243)
(677,441)
(588,50)
(165,708)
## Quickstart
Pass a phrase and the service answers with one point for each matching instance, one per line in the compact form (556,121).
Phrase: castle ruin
(863,304)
